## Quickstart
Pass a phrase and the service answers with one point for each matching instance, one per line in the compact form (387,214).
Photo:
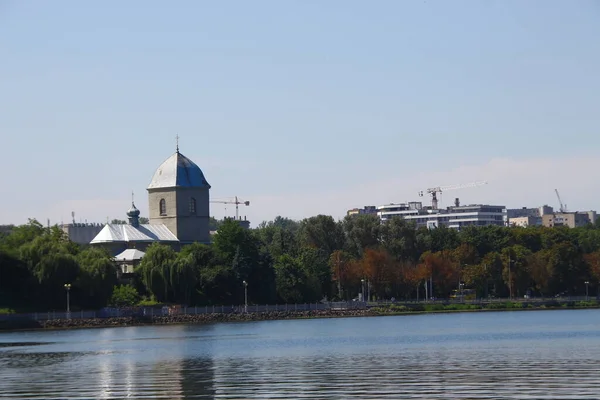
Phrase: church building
(179,210)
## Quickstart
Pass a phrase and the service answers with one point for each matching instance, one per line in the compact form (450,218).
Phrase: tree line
(304,261)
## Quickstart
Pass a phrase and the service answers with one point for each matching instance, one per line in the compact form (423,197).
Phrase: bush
(7,311)
(148,302)
(456,307)
(124,296)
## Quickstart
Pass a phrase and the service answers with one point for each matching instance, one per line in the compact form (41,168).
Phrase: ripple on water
(263,362)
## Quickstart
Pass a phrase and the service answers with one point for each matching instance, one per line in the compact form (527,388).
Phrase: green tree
(97,277)
(124,296)
(321,232)
(401,240)
(294,283)
(155,271)
(362,231)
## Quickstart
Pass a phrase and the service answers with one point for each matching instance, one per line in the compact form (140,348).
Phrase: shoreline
(19,325)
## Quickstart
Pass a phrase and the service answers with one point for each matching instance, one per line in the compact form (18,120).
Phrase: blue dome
(178,171)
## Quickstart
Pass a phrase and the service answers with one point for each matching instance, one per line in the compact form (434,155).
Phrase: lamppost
(245,296)
(362,288)
(68,289)
(509,278)
(587,284)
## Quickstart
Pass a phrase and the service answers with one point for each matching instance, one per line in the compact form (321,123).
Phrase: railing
(165,311)
(255,308)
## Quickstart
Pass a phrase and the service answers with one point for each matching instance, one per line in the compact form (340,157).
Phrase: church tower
(178,197)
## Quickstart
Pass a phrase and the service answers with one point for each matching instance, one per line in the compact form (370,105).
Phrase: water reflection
(477,357)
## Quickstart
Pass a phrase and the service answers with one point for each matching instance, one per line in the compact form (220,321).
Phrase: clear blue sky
(301,107)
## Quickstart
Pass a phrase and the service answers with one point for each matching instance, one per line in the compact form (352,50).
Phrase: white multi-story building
(453,217)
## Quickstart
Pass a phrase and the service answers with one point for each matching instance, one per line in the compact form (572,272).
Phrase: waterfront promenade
(206,314)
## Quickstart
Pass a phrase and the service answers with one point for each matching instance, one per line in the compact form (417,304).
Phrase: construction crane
(434,191)
(237,203)
(563,207)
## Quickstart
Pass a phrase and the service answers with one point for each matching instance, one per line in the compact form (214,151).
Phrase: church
(179,214)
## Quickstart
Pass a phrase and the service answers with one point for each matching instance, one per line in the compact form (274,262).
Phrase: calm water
(512,355)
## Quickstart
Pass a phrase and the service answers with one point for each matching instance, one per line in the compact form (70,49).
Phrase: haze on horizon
(301,107)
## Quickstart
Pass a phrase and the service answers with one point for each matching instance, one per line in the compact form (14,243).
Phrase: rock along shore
(177,319)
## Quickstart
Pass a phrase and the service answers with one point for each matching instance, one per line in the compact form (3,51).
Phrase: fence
(255,308)
(177,310)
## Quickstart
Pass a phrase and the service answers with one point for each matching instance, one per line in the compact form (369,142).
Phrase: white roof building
(134,234)
(146,233)
(130,255)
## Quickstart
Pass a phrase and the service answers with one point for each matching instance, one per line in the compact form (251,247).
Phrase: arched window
(192,206)
(162,206)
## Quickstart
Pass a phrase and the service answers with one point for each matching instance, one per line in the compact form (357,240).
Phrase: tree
(321,232)
(515,273)
(294,284)
(400,238)
(97,278)
(440,267)
(363,231)
(124,296)
(340,263)
(155,270)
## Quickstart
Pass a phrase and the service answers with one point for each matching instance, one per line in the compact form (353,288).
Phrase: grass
(456,307)
(7,311)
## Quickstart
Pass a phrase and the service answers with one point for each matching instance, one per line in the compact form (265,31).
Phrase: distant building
(528,212)
(524,222)
(179,212)
(545,216)
(364,210)
(81,233)
(455,217)
(6,229)
(127,260)
(570,219)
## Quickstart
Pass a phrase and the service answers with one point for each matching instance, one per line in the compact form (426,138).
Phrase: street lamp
(362,288)
(587,284)
(245,296)
(68,289)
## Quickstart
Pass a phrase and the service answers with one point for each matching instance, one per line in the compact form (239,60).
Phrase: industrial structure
(244,223)
(439,189)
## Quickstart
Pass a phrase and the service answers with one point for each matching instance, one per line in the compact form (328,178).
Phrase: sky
(301,107)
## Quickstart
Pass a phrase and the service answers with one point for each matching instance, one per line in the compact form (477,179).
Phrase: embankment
(395,309)
(27,324)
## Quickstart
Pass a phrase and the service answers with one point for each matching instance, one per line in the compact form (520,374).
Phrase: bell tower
(179,198)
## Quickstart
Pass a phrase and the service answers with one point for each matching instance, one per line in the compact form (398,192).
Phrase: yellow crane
(237,203)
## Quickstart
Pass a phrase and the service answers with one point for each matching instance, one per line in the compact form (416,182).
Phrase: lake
(499,355)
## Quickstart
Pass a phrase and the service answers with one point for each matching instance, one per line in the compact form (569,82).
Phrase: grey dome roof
(133,211)
(178,171)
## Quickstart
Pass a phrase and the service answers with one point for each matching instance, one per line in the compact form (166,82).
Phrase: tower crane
(237,203)
(563,207)
(435,190)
